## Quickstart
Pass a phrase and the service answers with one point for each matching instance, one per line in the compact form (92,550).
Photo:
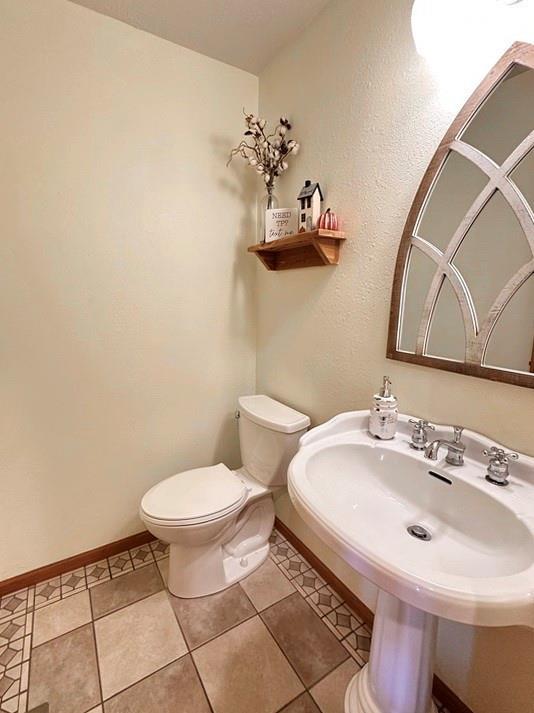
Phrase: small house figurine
(309,199)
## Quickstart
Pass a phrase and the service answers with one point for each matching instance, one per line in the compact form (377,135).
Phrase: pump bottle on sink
(384,413)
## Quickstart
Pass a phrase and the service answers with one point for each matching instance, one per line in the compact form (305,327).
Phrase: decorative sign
(279,223)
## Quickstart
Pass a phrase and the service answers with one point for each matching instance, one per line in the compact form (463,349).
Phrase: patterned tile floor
(109,638)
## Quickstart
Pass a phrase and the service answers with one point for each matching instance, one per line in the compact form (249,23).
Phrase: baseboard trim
(41,574)
(449,699)
(48,571)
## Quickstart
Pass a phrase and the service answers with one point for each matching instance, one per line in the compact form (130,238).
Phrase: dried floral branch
(268,152)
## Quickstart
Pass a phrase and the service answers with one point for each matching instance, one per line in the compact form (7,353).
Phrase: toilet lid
(195,495)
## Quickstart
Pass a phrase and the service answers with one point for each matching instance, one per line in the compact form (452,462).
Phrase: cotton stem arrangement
(265,152)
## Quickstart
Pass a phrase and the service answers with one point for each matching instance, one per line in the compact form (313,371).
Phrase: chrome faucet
(456,449)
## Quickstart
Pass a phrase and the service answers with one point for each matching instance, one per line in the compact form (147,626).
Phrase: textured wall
(369,115)
(126,295)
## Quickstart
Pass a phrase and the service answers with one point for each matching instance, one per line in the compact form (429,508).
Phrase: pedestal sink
(438,540)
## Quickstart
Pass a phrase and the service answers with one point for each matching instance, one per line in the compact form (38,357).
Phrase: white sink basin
(361,495)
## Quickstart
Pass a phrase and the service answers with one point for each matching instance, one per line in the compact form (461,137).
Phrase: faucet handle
(498,455)
(458,430)
(498,471)
(419,435)
(421,423)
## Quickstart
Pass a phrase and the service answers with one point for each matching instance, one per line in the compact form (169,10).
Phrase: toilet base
(237,568)
(233,570)
(197,570)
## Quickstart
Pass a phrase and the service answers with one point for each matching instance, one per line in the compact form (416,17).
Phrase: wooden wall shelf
(318,247)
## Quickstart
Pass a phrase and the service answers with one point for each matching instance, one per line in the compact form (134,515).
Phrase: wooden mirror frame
(476,339)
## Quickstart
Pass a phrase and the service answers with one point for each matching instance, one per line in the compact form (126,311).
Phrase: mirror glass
(456,188)
(523,177)
(486,260)
(447,336)
(505,118)
(467,292)
(510,347)
(421,270)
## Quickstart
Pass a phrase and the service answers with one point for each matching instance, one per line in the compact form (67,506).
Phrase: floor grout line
(285,571)
(441,709)
(161,668)
(27,706)
(189,651)
(284,655)
(95,643)
(124,606)
(307,597)
(144,678)
(224,631)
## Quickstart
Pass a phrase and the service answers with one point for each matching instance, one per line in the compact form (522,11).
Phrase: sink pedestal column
(398,677)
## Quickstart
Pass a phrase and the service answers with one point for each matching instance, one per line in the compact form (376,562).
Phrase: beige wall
(369,115)
(126,295)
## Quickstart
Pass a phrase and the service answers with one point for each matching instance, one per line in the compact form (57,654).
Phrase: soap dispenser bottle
(384,413)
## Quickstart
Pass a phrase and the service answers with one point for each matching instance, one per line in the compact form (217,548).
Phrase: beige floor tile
(98,709)
(120,564)
(359,643)
(159,549)
(204,618)
(174,689)
(329,693)
(60,617)
(302,704)
(15,628)
(96,573)
(276,538)
(310,646)
(163,566)
(135,641)
(294,565)
(141,556)
(64,673)
(16,603)
(282,551)
(325,600)
(72,582)
(48,591)
(308,582)
(343,621)
(267,585)
(244,670)
(120,592)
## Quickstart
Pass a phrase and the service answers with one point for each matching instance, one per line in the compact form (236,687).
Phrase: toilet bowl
(218,521)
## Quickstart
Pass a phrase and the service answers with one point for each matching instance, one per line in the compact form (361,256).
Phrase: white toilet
(218,521)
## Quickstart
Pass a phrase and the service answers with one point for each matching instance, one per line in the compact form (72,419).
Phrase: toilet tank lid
(272,414)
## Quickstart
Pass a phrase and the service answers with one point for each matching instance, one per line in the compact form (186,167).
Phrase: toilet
(218,521)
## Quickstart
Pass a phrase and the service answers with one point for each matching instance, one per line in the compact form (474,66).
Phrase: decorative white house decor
(279,223)
(309,200)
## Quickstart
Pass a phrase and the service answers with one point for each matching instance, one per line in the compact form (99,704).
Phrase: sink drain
(419,532)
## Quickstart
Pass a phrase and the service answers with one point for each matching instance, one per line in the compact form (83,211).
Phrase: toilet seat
(194,497)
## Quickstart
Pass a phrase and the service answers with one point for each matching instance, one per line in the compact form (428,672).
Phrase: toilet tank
(269,435)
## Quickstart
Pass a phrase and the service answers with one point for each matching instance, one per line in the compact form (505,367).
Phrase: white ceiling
(244,33)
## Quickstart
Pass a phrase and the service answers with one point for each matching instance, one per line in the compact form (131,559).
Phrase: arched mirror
(463,292)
